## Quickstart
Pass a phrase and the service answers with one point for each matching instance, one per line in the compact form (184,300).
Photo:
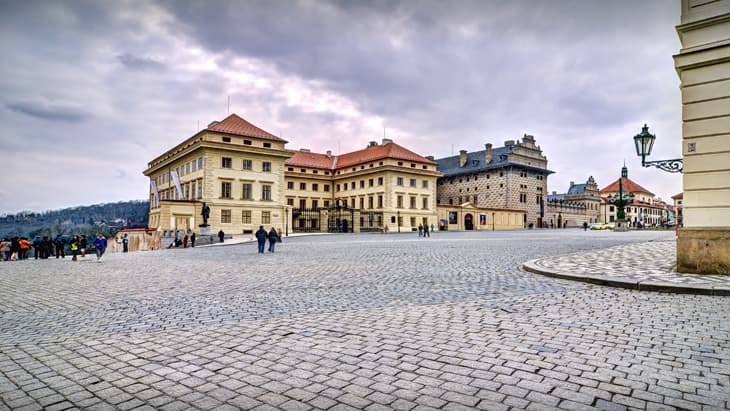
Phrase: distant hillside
(107,218)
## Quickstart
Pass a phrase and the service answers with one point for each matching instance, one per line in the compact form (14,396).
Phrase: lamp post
(286,221)
(397,213)
(644,142)
(620,201)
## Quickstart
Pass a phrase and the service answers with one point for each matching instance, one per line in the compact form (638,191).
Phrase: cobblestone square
(358,321)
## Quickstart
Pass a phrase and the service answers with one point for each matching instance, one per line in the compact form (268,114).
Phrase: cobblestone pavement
(355,322)
(645,266)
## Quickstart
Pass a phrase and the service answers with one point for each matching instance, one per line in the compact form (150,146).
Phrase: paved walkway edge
(634,285)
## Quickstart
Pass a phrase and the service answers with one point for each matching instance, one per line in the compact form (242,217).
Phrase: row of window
(245,142)
(303,186)
(190,191)
(226,216)
(304,170)
(246,164)
(371,183)
(184,169)
(246,191)
(372,202)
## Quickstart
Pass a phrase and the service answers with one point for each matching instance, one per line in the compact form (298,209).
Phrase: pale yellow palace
(248,178)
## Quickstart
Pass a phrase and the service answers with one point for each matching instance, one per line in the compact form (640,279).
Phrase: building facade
(703,66)
(580,204)
(644,211)
(234,167)
(382,185)
(247,178)
(513,177)
(679,208)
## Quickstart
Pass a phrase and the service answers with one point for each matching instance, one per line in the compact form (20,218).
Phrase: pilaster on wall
(703,66)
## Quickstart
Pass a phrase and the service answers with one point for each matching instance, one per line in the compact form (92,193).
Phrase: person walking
(192,240)
(425,231)
(185,241)
(273,239)
(125,243)
(45,247)
(75,246)
(100,246)
(83,242)
(261,237)
(25,245)
(14,248)
(221,234)
(585,226)
(60,244)
(420,230)
(432,228)
(37,247)
(5,249)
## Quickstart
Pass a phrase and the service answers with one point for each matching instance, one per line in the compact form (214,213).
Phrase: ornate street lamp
(621,200)
(644,142)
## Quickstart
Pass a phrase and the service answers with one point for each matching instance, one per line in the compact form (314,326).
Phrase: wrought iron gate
(306,220)
(341,219)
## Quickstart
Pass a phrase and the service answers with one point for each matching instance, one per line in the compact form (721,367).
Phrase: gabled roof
(628,186)
(476,161)
(311,160)
(679,196)
(378,152)
(234,124)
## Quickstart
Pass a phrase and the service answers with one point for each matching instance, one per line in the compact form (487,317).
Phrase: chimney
(462,158)
(555,192)
(509,143)
(387,141)
(373,144)
(572,183)
(488,153)
(305,150)
(212,123)
(329,153)
(432,158)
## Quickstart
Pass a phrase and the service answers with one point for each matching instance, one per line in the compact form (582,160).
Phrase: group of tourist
(18,248)
(273,236)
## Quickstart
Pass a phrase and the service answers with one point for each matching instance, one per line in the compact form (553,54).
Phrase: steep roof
(312,160)
(234,124)
(378,152)
(577,189)
(628,185)
(476,161)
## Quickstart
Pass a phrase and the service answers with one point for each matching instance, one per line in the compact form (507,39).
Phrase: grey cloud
(133,62)
(47,110)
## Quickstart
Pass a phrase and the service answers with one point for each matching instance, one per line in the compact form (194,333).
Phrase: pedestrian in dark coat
(261,237)
(192,240)
(273,239)
(83,242)
(60,245)
(221,235)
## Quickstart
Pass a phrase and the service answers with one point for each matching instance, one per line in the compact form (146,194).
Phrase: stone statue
(205,212)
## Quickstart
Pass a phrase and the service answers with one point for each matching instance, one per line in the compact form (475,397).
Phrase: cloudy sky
(91,91)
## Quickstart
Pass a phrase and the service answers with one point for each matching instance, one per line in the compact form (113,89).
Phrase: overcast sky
(90,91)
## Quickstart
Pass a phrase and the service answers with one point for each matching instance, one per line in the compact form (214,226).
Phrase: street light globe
(644,142)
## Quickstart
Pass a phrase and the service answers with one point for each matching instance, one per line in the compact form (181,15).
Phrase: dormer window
(267,145)
(474,163)
(226,139)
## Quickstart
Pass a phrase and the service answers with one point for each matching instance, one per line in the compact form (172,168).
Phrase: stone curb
(655,286)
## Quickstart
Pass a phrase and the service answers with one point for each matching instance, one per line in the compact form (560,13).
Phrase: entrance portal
(468,222)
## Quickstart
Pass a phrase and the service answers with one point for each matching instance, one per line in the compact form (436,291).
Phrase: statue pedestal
(621,226)
(204,229)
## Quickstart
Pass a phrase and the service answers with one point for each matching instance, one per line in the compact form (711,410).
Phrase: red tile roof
(679,196)
(389,150)
(311,160)
(379,152)
(234,124)
(629,186)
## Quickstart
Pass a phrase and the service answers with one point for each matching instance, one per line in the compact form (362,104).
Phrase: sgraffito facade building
(511,178)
